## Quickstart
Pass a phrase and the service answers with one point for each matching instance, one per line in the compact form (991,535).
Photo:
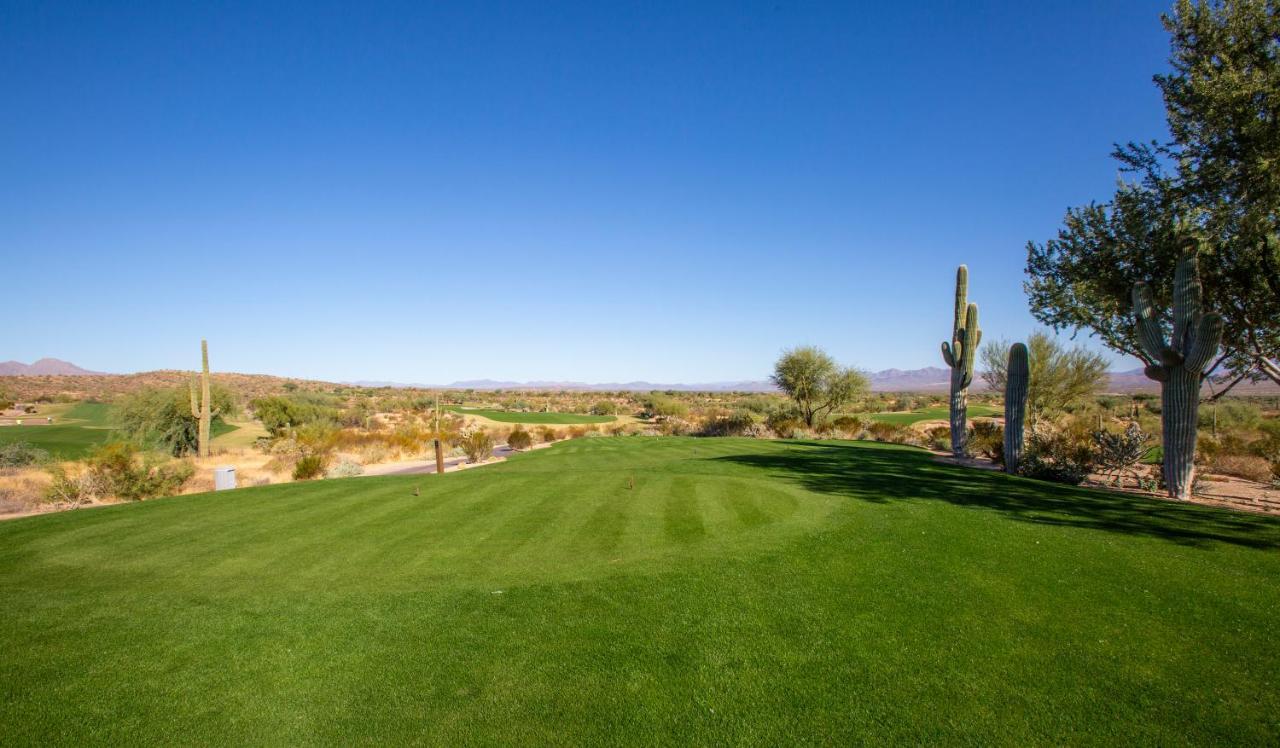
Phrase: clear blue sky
(594,191)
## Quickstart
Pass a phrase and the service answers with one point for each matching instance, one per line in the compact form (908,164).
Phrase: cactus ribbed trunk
(206,408)
(959,354)
(1179,407)
(1017,379)
(1178,364)
(959,414)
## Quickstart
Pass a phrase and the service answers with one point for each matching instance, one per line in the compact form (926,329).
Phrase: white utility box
(224,478)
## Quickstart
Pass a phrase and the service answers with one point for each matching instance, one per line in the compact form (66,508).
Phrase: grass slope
(80,428)
(506,416)
(76,430)
(742,592)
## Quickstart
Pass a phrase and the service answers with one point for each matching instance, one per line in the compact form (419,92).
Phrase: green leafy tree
(1214,188)
(162,418)
(815,382)
(1058,376)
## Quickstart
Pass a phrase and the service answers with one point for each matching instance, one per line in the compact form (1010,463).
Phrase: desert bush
(21,454)
(604,408)
(279,413)
(986,439)
(547,434)
(939,438)
(120,472)
(162,418)
(850,424)
(72,489)
(661,406)
(1060,457)
(477,445)
(577,432)
(308,467)
(1118,454)
(519,439)
(345,469)
(890,432)
(675,427)
(1249,467)
(1231,415)
(738,423)
(783,422)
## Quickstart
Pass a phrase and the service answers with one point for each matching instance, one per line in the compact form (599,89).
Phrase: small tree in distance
(1059,376)
(817,384)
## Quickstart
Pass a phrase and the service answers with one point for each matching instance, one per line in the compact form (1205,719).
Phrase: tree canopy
(813,379)
(1059,376)
(1214,188)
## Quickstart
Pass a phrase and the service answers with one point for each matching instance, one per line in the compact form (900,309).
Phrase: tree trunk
(959,413)
(1179,406)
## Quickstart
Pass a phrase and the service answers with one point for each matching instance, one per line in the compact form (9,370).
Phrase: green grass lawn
(506,416)
(76,429)
(941,412)
(743,591)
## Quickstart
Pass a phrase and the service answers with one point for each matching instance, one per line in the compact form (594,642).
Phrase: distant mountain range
(928,379)
(43,367)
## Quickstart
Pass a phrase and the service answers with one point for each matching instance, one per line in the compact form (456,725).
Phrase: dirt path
(418,467)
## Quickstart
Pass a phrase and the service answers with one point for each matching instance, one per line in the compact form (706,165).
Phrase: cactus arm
(962,299)
(1204,343)
(1186,300)
(1150,336)
(195,405)
(971,336)
(947,355)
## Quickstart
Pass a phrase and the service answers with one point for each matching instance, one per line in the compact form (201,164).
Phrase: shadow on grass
(884,475)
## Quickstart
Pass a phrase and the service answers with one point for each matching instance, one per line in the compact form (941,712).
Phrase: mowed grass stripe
(835,593)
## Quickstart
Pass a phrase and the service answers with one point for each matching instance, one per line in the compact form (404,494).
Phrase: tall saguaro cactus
(959,354)
(1178,365)
(201,407)
(1017,377)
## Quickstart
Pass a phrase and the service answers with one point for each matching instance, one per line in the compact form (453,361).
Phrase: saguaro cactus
(201,407)
(959,354)
(1017,376)
(1178,365)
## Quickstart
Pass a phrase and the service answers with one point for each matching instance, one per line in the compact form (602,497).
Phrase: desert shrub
(345,469)
(308,467)
(546,434)
(1249,467)
(117,470)
(1118,454)
(477,445)
(519,439)
(890,432)
(71,489)
(850,424)
(21,454)
(738,423)
(279,413)
(604,408)
(161,418)
(1058,457)
(577,432)
(676,427)
(1230,414)
(939,438)
(661,406)
(986,439)
(783,423)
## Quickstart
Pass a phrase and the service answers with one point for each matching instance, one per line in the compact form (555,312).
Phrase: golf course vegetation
(646,590)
